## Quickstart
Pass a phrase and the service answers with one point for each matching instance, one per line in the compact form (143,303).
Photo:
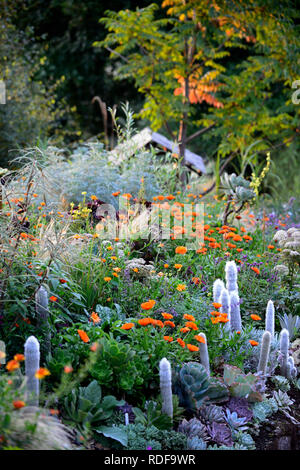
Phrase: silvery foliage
(291,323)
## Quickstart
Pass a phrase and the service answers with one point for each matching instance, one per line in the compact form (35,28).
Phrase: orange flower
(115,194)
(214,320)
(255,317)
(177,266)
(53,298)
(83,336)
(94,347)
(41,373)
(185,329)
(215,313)
(271,247)
(62,281)
(181,342)
(196,280)
(169,323)
(256,270)
(166,265)
(145,321)
(68,369)
(12,365)
(107,279)
(18,404)
(19,357)
(127,196)
(181,287)
(148,305)
(188,317)
(217,304)
(158,323)
(181,250)
(200,339)
(167,316)
(252,342)
(95,318)
(168,338)
(191,325)
(127,326)
(192,348)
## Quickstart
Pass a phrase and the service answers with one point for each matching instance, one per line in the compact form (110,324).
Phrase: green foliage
(141,437)
(240,384)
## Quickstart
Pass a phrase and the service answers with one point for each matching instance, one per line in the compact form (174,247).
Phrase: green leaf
(114,433)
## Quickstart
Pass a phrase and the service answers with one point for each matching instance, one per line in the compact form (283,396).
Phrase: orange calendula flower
(107,279)
(12,365)
(185,329)
(19,357)
(41,373)
(191,325)
(53,298)
(148,305)
(181,342)
(177,266)
(18,404)
(145,321)
(169,323)
(181,287)
(214,320)
(192,348)
(83,336)
(188,317)
(271,247)
(217,305)
(167,316)
(166,265)
(181,250)
(200,339)
(253,343)
(256,270)
(68,369)
(95,318)
(168,338)
(255,317)
(196,280)
(127,326)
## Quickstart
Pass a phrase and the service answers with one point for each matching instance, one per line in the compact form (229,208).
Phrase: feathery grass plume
(32,364)
(166,387)
(204,358)
(31,428)
(264,352)
(42,313)
(231,276)
(270,318)
(217,289)
(235,315)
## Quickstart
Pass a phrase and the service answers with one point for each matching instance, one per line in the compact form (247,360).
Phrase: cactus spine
(231,277)
(32,364)
(42,313)
(204,358)
(166,387)
(270,318)
(235,315)
(218,286)
(264,352)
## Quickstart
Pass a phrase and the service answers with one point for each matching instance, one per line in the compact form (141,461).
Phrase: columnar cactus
(204,358)
(270,318)
(42,314)
(264,352)
(225,301)
(292,370)
(287,364)
(166,387)
(32,364)
(218,286)
(231,276)
(235,315)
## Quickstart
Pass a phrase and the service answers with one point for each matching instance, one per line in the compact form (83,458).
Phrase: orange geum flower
(127,326)
(19,357)
(18,404)
(12,365)
(83,336)
(169,323)
(253,343)
(181,250)
(200,339)
(192,348)
(186,316)
(168,338)
(167,316)
(41,373)
(191,325)
(255,317)
(148,305)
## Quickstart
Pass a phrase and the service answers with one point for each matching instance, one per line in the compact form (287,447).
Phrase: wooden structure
(146,137)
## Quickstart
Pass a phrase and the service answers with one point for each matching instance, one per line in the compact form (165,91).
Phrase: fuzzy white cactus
(225,301)
(32,364)
(204,358)
(264,352)
(235,314)
(285,365)
(270,318)
(166,387)
(42,314)
(231,276)
(218,286)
